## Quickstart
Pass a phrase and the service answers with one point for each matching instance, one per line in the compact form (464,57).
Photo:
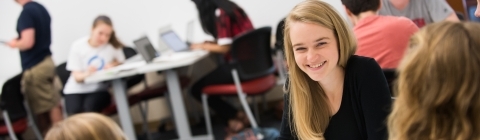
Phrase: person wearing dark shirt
(33,41)
(332,93)
(223,20)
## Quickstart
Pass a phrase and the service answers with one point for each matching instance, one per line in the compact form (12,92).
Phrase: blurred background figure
(422,12)
(438,93)
(86,126)
(101,50)
(38,69)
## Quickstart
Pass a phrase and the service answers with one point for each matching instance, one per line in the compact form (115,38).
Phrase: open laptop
(170,39)
(145,49)
(150,55)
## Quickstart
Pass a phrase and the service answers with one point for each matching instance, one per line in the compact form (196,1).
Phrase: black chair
(252,70)
(16,110)
(279,52)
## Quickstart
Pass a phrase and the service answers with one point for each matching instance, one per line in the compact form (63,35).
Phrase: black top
(364,108)
(35,16)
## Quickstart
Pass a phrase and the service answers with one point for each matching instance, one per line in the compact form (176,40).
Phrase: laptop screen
(145,48)
(173,41)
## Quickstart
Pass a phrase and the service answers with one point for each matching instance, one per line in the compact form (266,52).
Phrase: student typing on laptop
(101,50)
(223,20)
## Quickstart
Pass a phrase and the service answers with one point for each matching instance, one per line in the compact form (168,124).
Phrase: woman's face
(100,34)
(315,49)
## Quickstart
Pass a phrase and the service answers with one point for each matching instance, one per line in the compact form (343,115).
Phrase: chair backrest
(279,35)
(250,53)
(63,73)
(12,98)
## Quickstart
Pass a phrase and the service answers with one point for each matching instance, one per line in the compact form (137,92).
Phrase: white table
(174,89)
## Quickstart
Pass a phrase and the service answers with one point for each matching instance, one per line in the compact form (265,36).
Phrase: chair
(16,111)
(252,71)
(391,76)
(278,48)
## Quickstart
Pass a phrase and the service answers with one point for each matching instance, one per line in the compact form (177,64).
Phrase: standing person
(422,12)
(223,20)
(384,38)
(438,93)
(100,50)
(33,41)
(332,93)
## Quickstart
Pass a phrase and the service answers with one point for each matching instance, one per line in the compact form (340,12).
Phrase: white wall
(132,19)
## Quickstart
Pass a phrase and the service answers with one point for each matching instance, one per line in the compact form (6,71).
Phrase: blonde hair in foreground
(86,126)
(309,104)
(439,85)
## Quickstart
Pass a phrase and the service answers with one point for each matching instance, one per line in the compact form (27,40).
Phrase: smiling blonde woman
(333,94)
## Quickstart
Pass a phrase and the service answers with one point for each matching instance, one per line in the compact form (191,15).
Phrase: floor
(268,120)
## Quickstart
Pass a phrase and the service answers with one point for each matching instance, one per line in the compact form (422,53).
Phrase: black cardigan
(368,92)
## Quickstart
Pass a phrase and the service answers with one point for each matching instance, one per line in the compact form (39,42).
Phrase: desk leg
(179,113)
(123,109)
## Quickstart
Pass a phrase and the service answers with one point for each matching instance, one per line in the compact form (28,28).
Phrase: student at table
(223,20)
(100,50)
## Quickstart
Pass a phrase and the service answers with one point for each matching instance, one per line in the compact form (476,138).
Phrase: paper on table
(3,42)
(177,56)
(122,67)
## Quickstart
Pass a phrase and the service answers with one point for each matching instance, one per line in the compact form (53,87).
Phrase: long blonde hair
(439,85)
(309,104)
(86,126)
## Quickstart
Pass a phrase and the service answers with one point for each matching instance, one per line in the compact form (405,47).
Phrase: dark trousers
(89,102)
(221,75)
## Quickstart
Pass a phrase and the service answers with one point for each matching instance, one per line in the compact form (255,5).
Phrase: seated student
(86,126)
(383,38)
(100,50)
(438,85)
(223,20)
(332,93)
(422,12)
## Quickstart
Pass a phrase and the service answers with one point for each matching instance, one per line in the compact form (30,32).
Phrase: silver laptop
(170,39)
(145,48)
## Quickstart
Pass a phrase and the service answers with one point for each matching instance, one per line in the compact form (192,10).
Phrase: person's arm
(440,10)
(212,47)
(477,11)
(119,58)
(27,40)
(375,99)
(224,35)
(74,64)
(26,28)
(285,131)
(81,75)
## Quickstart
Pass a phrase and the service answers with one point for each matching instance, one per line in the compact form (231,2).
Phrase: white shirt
(82,55)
